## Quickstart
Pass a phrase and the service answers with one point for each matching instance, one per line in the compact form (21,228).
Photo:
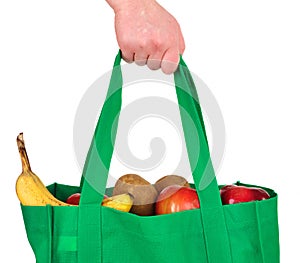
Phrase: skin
(147,34)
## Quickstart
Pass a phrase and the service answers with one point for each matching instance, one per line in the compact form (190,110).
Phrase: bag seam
(259,233)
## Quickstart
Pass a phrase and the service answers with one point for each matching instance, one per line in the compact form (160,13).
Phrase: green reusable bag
(90,233)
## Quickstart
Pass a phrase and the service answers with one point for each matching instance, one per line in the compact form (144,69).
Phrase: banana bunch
(32,192)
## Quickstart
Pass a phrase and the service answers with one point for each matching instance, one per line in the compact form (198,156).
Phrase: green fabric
(240,233)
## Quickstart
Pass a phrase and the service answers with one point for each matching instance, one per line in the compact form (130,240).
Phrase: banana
(122,202)
(30,189)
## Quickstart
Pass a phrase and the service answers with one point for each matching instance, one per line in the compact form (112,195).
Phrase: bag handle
(97,163)
(95,172)
(199,157)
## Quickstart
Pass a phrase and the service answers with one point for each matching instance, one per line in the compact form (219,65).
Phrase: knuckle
(126,43)
(157,43)
(143,43)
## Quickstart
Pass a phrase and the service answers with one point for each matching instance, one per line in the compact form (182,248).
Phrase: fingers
(170,61)
(141,58)
(156,52)
(154,61)
(127,55)
(167,61)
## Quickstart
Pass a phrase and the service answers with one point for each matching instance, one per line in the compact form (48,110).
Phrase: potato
(144,194)
(170,180)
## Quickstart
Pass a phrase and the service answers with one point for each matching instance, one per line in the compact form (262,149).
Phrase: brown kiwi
(143,193)
(170,180)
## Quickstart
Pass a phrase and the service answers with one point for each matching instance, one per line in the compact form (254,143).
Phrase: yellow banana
(122,202)
(30,189)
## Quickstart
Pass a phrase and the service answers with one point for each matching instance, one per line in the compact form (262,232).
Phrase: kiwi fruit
(167,180)
(143,193)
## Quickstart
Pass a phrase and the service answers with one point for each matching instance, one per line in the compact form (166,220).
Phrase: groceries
(143,193)
(132,193)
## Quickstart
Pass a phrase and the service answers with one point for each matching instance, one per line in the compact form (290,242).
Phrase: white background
(247,52)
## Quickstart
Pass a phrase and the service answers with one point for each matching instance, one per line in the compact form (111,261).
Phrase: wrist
(118,5)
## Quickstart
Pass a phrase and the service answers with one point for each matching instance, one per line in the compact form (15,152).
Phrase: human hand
(147,34)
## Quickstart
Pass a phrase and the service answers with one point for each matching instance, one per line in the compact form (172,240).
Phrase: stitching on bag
(259,232)
(101,234)
(226,226)
(50,231)
(204,236)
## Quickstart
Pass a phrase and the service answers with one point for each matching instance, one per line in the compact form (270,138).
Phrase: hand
(148,34)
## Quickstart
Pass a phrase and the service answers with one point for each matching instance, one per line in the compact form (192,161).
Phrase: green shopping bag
(90,233)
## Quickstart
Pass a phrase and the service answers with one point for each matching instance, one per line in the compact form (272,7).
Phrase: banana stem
(23,153)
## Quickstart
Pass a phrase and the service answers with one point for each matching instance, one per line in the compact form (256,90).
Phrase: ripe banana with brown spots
(32,192)
(30,189)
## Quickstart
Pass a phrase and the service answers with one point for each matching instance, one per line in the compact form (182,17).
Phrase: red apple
(175,198)
(232,194)
(75,198)
(226,187)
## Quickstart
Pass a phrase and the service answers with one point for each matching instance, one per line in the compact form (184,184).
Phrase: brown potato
(144,194)
(170,180)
